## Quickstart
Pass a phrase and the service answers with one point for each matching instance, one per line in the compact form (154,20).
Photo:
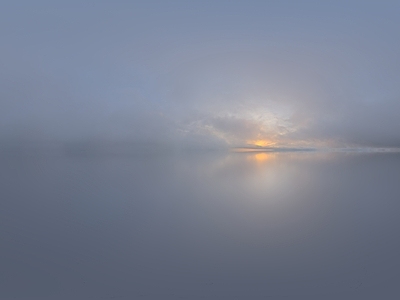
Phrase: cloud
(200,76)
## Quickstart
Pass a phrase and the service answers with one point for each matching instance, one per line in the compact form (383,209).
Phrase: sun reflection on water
(262,157)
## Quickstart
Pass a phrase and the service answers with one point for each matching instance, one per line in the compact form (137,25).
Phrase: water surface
(200,226)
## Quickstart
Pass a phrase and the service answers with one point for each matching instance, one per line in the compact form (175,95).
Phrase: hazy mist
(193,150)
(209,74)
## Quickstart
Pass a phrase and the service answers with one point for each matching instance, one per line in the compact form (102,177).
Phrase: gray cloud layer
(201,74)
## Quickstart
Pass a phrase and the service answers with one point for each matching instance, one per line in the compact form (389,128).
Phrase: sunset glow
(261,143)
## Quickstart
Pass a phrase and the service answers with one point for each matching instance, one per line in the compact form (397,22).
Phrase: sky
(201,73)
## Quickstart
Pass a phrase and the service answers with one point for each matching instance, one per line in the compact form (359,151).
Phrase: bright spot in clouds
(261,143)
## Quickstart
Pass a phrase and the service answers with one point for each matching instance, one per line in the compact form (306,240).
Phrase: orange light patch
(261,143)
(261,157)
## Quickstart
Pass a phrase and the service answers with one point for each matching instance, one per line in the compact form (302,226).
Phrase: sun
(261,143)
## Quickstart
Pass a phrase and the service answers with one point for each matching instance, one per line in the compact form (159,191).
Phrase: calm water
(200,226)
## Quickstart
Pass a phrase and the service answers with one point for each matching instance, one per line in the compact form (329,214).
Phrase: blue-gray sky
(224,73)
